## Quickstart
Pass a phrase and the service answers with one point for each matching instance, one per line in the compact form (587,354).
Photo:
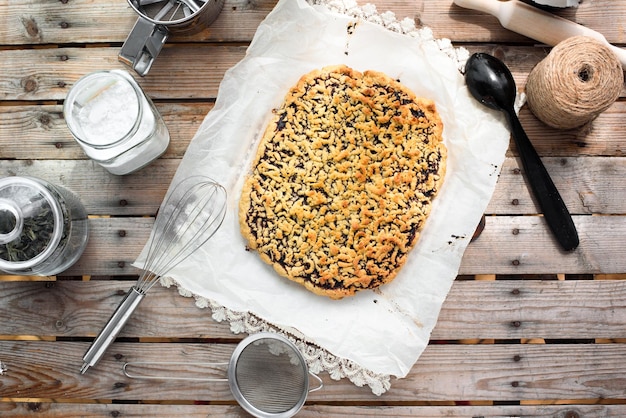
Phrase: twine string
(578,80)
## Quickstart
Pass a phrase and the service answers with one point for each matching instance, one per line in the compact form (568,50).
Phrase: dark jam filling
(280,125)
(259,219)
(418,113)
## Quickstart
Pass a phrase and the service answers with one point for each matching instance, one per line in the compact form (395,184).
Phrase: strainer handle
(170,363)
(319,380)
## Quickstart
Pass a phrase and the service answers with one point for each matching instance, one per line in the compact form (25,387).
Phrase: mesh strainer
(267,375)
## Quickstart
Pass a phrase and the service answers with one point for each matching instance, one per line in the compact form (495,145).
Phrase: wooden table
(526,330)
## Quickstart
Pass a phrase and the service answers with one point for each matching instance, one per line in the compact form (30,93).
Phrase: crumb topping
(343,180)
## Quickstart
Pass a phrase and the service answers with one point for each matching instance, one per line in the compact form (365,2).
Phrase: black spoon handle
(554,210)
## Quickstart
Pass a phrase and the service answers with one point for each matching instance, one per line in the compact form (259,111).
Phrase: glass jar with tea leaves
(43,227)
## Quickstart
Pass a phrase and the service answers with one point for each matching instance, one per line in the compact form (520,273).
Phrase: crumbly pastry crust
(343,181)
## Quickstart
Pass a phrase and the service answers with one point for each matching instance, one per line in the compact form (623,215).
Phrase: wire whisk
(189,217)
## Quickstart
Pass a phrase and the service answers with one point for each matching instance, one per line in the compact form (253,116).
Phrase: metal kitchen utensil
(537,24)
(189,217)
(267,375)
(491,83)
(157,19)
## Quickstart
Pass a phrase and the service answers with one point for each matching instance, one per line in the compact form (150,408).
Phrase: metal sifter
(157,19)
(190,216)
(267,375)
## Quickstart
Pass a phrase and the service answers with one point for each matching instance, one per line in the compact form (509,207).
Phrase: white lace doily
(318,359)
(406,26)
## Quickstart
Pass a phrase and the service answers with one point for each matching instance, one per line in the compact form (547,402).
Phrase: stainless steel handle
(112,328)
(143,45)
(320,383)
(165,364)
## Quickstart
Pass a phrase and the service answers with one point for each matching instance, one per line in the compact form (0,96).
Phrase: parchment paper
(383,331)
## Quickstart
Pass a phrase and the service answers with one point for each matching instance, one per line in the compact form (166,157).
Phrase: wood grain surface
(526,330)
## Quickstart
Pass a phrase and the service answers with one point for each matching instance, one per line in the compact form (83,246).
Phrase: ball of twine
(578,80)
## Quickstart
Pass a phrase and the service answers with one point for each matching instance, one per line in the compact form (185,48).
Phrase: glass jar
(43,228)
(114,122)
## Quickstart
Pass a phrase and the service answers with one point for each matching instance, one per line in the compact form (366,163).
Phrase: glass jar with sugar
(114,122)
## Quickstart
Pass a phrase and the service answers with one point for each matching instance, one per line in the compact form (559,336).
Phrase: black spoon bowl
(491,83)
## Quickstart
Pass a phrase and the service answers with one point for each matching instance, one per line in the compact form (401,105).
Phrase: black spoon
(492,84)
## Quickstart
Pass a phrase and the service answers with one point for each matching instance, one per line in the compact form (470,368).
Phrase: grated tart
(343,181)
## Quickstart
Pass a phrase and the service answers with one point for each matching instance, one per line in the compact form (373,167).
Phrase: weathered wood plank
(70,410)
(526,309)
(40,132)
(54,70)
(502,309)
(524,245)
(36,369)
(587,184)
(79,309)
(137,194)
(91,410)
(88,21)
(499,411)
(451,21)
(114,244)
(603,136)
(508,245)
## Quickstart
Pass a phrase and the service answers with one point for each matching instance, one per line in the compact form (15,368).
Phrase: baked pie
(343,180)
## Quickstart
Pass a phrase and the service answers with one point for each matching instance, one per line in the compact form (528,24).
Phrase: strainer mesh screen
(271,376)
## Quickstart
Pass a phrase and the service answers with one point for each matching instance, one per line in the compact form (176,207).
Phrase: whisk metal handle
(112,328)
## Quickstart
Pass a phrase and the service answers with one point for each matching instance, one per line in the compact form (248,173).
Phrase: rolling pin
(537,24)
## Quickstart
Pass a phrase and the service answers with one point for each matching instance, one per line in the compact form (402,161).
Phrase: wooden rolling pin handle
(537,24)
